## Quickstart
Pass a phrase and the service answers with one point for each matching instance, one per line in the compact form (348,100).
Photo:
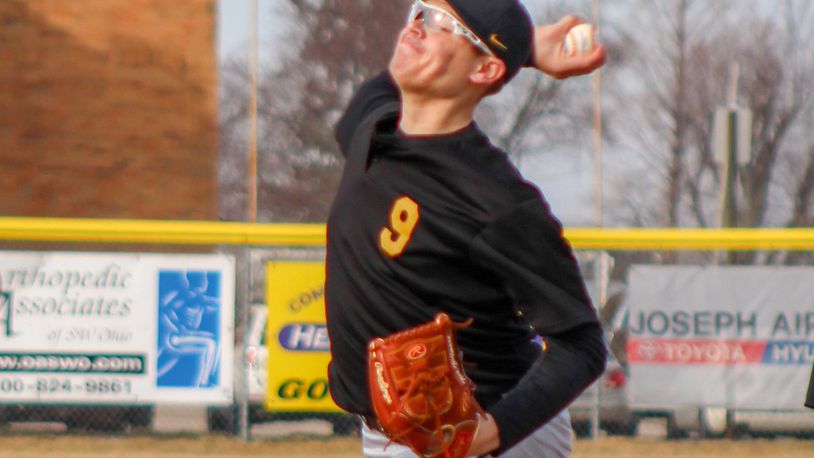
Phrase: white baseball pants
(552,440)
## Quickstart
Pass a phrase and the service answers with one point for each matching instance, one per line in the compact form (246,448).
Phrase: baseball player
(431,217)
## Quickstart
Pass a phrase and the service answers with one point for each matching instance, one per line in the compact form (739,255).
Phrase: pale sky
(568,184)
(230,16)
(234,24)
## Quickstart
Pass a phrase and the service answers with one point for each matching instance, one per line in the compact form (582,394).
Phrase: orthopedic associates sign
(116,327)
(738,337)
(298,346)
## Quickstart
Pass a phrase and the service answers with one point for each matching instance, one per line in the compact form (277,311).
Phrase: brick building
(108,108)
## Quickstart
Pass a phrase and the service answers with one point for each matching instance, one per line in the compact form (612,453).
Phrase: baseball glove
(420,394)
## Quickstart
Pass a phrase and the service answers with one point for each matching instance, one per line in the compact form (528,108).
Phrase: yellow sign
(297,339)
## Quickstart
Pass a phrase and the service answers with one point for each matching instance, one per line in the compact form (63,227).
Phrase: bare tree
(686,52)
(338,44)
(537,115)
(661,87)
(344,42)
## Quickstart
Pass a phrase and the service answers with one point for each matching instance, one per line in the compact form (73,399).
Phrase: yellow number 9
(403,218)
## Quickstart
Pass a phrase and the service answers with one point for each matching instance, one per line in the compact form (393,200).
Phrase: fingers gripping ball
(580,40)
(420,394)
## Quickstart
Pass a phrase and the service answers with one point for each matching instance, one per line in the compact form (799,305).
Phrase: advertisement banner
(116,327)
(735,336)
(297,338)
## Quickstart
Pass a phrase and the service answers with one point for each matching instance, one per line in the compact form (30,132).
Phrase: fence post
(243,273)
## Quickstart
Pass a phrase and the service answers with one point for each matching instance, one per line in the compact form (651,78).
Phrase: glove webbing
(423,383)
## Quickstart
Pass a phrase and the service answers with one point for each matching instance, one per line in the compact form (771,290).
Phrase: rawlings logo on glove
(421,396)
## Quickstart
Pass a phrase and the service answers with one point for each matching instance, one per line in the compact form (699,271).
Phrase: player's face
(432,57)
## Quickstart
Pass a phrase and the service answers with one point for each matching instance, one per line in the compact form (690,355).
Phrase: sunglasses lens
(433,18)
(415,11)
(438,19)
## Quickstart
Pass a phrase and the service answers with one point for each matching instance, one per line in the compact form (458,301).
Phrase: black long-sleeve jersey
(422,224)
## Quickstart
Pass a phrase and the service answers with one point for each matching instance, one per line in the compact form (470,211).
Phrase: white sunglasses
(438,19)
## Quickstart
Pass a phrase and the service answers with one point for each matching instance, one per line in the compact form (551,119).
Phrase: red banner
(695,351)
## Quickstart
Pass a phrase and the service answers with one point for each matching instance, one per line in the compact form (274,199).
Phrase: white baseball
(580,39)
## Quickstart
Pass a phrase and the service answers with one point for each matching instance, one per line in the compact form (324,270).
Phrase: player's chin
(418,74)
(405,72)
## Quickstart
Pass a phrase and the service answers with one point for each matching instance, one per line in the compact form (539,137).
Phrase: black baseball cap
(505,26)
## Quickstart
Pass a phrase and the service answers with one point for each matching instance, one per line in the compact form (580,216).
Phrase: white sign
(736,337)
(116,327)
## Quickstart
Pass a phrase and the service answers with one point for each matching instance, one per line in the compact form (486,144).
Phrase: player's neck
(422,116)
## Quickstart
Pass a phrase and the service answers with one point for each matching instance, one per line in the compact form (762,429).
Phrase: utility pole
(732,135)
(244,264)
(597,115)
(251,172)
(601,272)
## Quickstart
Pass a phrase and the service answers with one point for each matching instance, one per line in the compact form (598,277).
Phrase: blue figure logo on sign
(188,329)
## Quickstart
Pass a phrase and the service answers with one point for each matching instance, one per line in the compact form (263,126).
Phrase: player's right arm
(372,94)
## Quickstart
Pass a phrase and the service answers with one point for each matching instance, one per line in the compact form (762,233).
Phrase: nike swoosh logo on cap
(496,40)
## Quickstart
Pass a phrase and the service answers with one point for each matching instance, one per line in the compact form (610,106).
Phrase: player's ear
(489,70)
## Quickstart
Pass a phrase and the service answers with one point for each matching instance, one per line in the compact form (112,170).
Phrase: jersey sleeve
(572,361)
(371,95)
(526,251)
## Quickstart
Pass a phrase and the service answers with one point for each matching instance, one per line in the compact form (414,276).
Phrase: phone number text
(57,385)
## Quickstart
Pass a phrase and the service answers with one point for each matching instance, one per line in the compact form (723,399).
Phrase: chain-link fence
(63,328)
(271,389)
(702,345)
